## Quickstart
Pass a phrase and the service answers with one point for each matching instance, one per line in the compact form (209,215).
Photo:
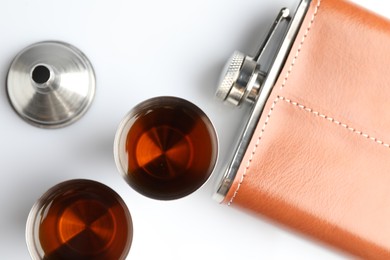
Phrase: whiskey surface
(82,219)
(170,149)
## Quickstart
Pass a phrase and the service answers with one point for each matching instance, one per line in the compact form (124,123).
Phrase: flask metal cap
(51,84)
(242,78)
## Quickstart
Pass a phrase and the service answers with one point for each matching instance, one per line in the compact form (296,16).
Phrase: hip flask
(314,155)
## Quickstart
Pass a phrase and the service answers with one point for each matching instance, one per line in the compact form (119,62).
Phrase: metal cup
(166,148)
(79,219)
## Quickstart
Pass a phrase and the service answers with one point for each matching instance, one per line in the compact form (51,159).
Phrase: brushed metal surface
(51,84)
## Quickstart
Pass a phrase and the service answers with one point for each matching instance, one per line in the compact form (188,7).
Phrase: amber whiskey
(79,219)
(167,148)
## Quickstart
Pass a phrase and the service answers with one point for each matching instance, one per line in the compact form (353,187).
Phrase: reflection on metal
(51,84)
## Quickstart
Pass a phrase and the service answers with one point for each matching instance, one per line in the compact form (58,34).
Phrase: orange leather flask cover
(319,160)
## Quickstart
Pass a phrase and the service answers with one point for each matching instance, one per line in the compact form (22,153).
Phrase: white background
(139,49)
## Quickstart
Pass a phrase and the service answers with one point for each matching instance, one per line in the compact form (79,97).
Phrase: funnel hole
(40,74)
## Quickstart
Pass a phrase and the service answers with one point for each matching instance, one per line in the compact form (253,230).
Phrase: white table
(139,49)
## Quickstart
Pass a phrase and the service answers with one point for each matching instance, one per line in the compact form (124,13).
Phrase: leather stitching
(275,101)
(301,44)
(253,151)
(331,119)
